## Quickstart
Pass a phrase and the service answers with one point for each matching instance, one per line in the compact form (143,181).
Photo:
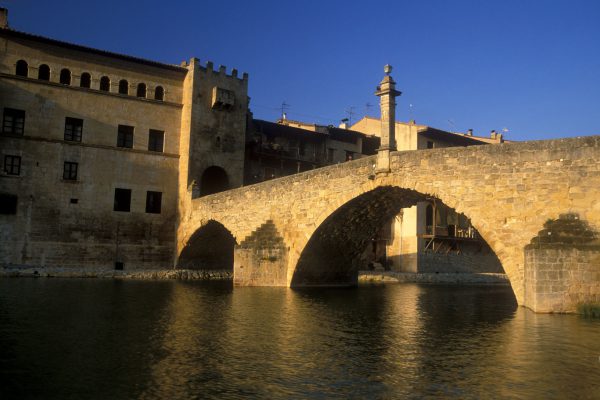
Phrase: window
(22,68)
(70,171)
(105,84)
(125,136)
(8,203)
(330,153)
(156,139)
(153,201)
(349,155)
(429,144)
(123,87)
(14,121)
(159,93)
(122,199)
(73,129)
(44,73)
(65,76)
(12,165)
(86,80)
(141,90)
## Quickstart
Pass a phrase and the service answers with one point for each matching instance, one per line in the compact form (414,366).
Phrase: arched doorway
(214,180)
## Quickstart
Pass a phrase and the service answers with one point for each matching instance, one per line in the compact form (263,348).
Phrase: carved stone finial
(387,69)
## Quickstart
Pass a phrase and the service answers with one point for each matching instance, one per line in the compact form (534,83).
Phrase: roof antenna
(284,107)
(350,111)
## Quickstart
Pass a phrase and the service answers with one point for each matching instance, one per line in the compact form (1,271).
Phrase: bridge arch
(210,247)
(331,252)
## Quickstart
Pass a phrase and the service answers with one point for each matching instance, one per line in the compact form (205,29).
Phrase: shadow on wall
(209,248)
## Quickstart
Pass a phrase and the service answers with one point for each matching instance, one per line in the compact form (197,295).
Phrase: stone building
(101,151)
(288,147)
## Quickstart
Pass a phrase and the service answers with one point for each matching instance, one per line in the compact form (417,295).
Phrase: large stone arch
(341,232)
(210,247)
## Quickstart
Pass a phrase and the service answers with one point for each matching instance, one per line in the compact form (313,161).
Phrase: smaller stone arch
(44,72)
(85,80)
(209,248)
(65,76)
(22,68)
(214,180)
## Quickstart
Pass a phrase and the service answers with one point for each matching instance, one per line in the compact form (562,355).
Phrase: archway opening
(394,229)
(214,180)
(22,69)
(44,72)
(209,248)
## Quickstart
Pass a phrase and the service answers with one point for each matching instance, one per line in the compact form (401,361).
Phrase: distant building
(288,147)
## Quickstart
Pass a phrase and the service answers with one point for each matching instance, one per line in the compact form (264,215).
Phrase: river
(120,339)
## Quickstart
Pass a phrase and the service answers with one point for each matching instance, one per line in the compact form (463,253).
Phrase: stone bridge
(309,228)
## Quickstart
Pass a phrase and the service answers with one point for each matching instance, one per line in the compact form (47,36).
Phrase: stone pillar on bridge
(387,100)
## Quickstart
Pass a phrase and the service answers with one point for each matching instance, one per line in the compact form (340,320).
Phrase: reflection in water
(122,339)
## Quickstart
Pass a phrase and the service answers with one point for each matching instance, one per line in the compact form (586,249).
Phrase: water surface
(111,339)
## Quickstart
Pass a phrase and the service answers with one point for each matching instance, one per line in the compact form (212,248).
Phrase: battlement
(209,67)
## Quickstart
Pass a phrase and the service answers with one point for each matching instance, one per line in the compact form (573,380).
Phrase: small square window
(12,165)
(429,144)
(122,200)
(70,171)
(125,136)
(156,140)
(73,129)
(8,203)
(13,122)
(153,202)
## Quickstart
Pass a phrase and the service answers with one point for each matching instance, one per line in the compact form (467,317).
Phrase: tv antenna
(284,107)
(368,107)
(350,111)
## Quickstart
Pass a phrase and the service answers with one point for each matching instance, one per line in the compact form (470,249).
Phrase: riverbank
(366,277)
(155,274)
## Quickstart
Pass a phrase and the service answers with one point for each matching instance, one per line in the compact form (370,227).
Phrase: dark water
(77,339)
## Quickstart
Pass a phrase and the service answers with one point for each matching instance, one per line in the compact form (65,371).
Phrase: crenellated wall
(508,191)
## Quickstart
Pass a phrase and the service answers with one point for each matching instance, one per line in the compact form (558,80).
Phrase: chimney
(3,18)
(493,134)
(470,132)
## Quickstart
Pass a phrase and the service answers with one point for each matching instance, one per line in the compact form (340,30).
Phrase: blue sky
(530,66)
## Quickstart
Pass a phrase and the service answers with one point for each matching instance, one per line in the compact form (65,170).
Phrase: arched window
(65,76)
(123,87)
(86,80)
(22,68)
(105,84)
(214,180)
(159,93)
(141,90)
(44,72)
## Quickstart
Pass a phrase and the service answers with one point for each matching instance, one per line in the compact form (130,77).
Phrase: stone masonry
(508,191)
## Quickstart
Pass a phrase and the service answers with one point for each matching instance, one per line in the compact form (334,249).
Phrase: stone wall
(562,266)
(261,259)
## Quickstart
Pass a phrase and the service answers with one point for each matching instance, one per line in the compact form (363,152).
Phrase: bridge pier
(261,259)
(562,267)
